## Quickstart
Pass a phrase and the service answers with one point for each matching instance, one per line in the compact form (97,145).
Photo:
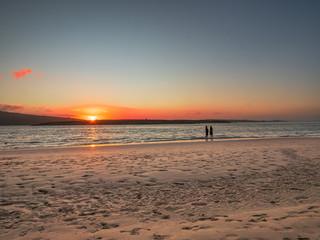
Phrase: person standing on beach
(211,132)
(207,131)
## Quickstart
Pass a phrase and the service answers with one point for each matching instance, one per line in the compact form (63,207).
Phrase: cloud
(39,75)
(42,109)
(204,113)
(218,113)
(6,107)
(22,73)
(65,115)
(0,75)
(195,113)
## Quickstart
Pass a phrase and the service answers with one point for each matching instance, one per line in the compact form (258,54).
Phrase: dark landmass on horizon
(10,118)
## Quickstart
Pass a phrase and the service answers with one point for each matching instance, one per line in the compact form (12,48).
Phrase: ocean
(21,137)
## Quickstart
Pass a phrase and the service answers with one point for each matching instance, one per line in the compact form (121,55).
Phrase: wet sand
(244,189)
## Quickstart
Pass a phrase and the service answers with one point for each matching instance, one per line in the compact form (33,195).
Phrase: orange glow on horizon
(104,112)
(92,118)
(91,113)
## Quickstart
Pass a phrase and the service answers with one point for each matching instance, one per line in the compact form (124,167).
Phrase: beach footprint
(160,237)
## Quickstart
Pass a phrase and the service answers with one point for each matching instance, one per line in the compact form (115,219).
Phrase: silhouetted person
(211,132)
(207,131)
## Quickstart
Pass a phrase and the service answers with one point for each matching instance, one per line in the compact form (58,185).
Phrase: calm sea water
(16,137)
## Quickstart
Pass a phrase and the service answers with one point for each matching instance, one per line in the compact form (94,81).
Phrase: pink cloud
(40,75)
(0,75)
(22,73)
(42,109)
(65,115)
(6,107)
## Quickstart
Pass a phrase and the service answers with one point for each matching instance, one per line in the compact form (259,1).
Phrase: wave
(30,137)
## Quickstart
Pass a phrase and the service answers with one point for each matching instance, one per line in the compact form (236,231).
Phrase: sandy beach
(235,189)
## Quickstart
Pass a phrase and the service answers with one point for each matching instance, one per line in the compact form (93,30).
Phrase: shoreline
(70,147)
(266,188)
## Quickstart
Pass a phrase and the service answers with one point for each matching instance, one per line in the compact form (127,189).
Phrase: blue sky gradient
(241,59)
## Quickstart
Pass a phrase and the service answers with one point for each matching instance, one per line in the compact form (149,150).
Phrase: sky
(168,59)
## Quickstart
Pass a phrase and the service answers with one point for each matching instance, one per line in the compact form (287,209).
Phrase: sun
(92,118)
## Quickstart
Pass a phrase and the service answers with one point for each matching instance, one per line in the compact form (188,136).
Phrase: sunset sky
(174,59)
